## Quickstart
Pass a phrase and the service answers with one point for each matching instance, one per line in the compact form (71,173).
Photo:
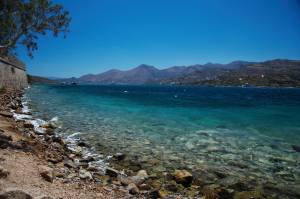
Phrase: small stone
(78,151)
(92,168)
(162,193)
(59,173)
(48,126)
(70,164)
(15,195)
(3,172)
(59,140)
(248,195)
(153,161)
(204,134)
(84,174)
(112,172)
(154,194)
(82,144)
(5,141)
(142,174)
(125,180)
(54,157)
(144,187)
(28,124)
(87,159)
(183,177)
(46,173)
(116,182)
(49,131)
(133,189)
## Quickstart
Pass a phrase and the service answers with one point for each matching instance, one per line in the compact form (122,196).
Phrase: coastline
(75,162)
(40,165)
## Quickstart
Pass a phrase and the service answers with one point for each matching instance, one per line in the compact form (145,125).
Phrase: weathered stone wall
(12,75)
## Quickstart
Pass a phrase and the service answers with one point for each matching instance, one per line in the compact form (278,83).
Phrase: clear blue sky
(122,34)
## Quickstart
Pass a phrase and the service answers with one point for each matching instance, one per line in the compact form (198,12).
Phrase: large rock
(6,114)
(46,173)
(15,195)
(183,177)
(4,141)
(5,137)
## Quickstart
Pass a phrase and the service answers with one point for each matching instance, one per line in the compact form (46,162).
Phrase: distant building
(12,73)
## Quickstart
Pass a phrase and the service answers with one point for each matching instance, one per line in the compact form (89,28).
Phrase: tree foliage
(22,21)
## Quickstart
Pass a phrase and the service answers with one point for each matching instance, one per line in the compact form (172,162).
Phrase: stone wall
(12,74)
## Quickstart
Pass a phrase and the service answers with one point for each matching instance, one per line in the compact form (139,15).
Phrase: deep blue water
(194,127)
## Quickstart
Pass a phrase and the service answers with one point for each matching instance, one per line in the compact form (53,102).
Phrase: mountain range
(278,72)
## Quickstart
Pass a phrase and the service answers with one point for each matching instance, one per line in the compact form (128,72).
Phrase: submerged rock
(119,156)
(218,193)
(183,177)
(15,195)
(248,195)
(296,148)
(112,172)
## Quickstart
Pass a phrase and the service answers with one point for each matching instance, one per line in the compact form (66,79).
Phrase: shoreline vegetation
(36,161)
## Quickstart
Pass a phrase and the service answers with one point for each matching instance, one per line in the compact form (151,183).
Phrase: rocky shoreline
(70,161)
(40,165)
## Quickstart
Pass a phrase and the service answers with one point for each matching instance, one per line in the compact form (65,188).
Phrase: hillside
(274,73)
(144,74)
(41,80)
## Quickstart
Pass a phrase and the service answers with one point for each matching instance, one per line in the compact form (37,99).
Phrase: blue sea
(245,132)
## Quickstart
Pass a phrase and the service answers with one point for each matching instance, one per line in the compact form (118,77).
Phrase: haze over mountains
(277,72)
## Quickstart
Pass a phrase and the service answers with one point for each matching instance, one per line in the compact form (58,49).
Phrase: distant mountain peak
(145,66)
(194,74)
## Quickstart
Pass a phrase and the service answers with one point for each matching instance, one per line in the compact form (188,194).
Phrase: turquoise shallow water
(162,111)
(183,127)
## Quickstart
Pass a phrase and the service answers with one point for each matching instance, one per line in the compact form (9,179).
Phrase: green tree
(22,21)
